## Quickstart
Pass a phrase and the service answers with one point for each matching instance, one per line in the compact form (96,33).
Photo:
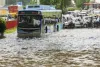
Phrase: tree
(64,4)
(32,2)
(9,2)
(59,4)
(25,2)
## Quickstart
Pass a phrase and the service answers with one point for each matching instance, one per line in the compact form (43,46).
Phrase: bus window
(29,21)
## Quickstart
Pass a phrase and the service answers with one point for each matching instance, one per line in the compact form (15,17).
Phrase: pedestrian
(98,22)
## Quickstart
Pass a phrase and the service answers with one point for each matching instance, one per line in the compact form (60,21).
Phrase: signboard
(3,12)
(13,9)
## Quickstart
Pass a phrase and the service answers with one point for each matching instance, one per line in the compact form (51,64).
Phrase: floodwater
(66,48)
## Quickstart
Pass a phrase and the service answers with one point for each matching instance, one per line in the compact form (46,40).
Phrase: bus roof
(40,7)
(42,10)
(45,12)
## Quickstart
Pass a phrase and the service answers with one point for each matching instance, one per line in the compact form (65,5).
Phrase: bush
(24,7)
(72,8)
(2,25)
(2,20)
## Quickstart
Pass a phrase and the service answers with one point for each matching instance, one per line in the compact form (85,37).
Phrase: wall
(97,1)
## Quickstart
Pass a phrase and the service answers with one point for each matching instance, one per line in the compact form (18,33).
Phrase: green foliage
(32,2)
(73,8)
(13,2)
(59,4)
(9,2)
(2,25)
(24,7)
(2,20)
(70,8)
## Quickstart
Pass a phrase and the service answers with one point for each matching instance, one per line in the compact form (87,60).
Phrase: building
(93,4)
(2,2)
(97,1)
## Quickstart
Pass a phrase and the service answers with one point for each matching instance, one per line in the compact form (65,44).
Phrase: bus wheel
(57,28)
(46,29)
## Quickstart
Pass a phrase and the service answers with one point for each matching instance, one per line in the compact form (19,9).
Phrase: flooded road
(66,48)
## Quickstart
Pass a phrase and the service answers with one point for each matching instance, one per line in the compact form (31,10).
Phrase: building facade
(95,1)
(2,2)
(93,4)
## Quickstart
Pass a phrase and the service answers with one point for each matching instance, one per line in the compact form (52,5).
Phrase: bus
(36,22)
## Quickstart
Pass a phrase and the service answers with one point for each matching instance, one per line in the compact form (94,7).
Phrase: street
(66,48)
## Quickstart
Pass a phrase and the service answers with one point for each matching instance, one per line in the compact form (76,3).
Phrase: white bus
(33,23)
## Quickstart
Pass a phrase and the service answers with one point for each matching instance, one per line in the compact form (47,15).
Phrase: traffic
(81,19)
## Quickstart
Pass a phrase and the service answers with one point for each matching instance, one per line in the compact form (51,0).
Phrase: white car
(86,20)
(96,11)
(77,21)
(66,20)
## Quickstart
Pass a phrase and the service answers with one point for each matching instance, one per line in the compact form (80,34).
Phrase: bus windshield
(28,21)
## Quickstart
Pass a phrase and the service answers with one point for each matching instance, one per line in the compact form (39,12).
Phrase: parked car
(96,11)
(97,22)
(88,21)
(67,19)
(77,21)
